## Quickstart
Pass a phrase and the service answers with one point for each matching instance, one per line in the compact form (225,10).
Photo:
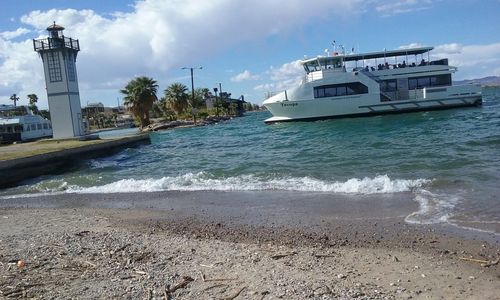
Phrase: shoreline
(54,159)
(74,247)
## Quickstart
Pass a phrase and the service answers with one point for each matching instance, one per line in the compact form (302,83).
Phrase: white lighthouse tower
(58,54)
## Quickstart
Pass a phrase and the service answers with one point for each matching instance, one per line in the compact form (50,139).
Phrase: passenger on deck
(367,69)
(373,69)
(422,63)
(386,65)
(404,64)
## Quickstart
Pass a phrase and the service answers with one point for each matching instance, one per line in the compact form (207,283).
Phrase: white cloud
(412,45)
(396,7)
(473,61)
(7,35)
(286,71)
(447,49)
(155,37)
(286,76)
(245,75)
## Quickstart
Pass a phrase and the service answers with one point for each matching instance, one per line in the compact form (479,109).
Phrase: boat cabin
(20,124)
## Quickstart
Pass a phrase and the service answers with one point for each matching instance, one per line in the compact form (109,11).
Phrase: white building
(58,54)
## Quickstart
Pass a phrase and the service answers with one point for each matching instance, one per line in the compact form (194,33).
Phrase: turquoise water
(447,161)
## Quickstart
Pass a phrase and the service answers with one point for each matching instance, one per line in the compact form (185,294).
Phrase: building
(58,54)
(93,109)
(234,105)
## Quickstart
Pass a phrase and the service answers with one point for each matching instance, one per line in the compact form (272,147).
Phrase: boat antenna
(334,46)
(326,52)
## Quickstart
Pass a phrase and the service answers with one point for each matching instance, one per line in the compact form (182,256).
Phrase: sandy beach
(84,251)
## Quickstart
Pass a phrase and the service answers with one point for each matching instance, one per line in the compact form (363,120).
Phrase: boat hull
(477,102)
(370,105)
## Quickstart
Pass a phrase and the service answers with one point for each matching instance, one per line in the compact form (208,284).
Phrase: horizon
(252,49)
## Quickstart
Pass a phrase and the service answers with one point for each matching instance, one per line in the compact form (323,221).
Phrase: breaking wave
(203,182)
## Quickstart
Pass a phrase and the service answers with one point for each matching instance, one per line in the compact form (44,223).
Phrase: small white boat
(371,84)
(20,124)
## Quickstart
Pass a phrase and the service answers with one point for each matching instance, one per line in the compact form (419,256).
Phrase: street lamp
(216,107)
(193,110)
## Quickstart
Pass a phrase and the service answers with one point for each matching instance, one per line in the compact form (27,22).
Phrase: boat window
(9,129)
(388,86)
(45,126)
(2,129)
(38,126)
(330,91)
(33,127)
(424,81)
(334,90)
(341,91)
(429,81)
(18,128)
(27,127)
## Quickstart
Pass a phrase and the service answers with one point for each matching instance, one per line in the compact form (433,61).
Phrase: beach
(394,207)
(112,246)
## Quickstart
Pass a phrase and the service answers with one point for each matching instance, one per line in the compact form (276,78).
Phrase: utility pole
(216,103)
(193,109)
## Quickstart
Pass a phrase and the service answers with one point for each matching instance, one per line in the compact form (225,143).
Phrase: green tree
(176,97)
(140,94)
(33,99)
(200,94)
(45,114)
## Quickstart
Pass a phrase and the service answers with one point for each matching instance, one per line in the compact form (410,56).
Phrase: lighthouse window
(54,67)
(71,68)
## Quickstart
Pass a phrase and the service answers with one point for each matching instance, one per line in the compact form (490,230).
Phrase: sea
(445,162)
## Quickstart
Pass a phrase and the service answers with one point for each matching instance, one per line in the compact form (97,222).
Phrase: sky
(250,47)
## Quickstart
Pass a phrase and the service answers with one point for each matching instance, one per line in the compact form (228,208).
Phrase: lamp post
(193,110)
(216,103)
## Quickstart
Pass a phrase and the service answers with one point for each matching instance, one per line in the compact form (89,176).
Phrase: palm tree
(14,98)
(177,97)
(140,94)
(200,94)
(33,99)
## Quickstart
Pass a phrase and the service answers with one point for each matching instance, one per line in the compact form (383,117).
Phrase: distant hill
(486,81)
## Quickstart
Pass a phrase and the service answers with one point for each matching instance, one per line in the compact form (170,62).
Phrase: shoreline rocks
(184,123)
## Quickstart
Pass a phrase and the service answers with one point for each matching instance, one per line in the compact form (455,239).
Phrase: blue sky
(251,47)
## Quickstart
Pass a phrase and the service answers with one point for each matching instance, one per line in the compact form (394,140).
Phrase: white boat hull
(369,105)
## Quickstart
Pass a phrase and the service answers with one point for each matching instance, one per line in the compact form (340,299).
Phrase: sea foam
(201,181)
(433,208)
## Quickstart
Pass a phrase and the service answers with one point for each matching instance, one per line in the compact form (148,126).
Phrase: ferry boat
(20,124)
(352,85)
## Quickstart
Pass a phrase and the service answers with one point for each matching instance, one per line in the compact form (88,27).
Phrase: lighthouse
(58,54)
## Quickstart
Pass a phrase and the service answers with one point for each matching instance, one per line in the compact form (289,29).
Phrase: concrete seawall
(16,170)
